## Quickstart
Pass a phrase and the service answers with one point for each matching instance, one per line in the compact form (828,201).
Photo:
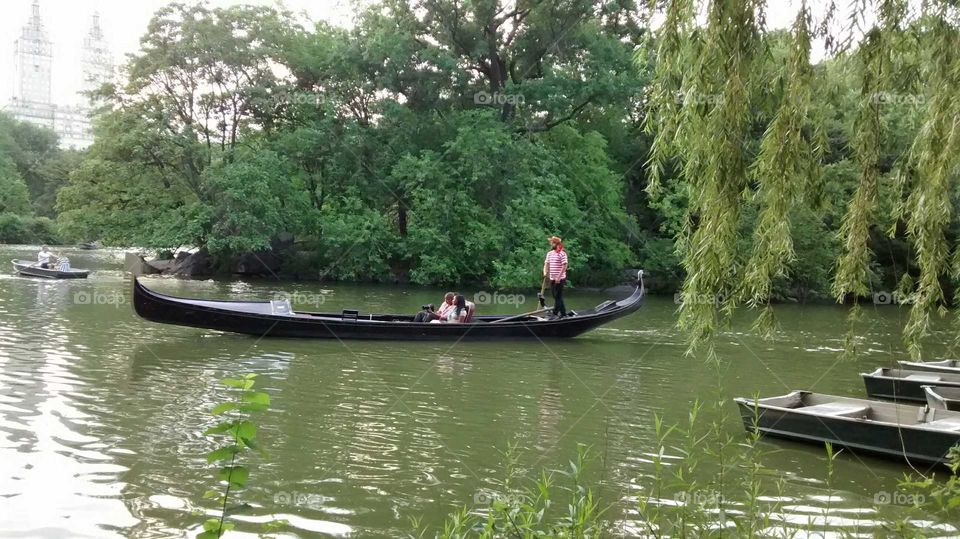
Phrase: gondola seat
(839,409)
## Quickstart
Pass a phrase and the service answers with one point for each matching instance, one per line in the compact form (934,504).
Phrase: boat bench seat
(839,409)
(923,377)
(949,424)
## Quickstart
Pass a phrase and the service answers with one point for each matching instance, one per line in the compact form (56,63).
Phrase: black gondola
(33,269)
(906,385)
(901,431)
(277,319)
(946,365)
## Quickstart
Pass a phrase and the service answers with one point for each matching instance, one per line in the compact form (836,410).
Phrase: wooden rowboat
(277,319)
(32,269)
(905,385)
(901,431)
(946,365)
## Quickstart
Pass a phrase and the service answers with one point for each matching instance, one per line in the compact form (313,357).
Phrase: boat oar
(543,286)
(509,318)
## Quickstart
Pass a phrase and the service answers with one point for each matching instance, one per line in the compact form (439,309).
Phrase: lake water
(102,413)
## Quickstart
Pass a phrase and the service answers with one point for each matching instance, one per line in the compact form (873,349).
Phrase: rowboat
(945,398)
(946,365)
(907,385)
(276,318)
(901,431)
(33,269)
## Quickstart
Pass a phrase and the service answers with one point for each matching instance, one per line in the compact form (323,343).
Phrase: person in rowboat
(462,310)
(43,257)
(555,267)
(447,304)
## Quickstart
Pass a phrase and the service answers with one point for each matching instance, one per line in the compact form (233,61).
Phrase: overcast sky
(124,21)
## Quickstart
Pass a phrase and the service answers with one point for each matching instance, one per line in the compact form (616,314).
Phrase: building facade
(33,76)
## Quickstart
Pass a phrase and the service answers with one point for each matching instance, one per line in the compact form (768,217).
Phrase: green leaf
(236,476)
(223,453)
(255,402)
(210,494)
(245,429)
(240,384)
(211,524)
(224,407)
(220,428)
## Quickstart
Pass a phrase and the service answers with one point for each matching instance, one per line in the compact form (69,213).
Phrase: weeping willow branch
(787,165)
(935,156)
(708,129)
(705,96)
(665,95)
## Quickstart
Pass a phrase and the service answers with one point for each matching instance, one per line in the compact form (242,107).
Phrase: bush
(12,228)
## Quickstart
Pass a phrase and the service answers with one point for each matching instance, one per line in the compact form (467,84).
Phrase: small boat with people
(894,430)
(276,318)
(58,271)
(944,398)
(905,385)
(944,365)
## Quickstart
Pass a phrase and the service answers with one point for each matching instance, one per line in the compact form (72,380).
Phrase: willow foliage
(709,90)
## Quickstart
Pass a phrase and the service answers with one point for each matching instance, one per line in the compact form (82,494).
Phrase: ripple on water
(110,410)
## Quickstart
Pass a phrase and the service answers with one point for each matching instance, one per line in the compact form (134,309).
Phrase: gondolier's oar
(509,318)
(543,306)
(543,286)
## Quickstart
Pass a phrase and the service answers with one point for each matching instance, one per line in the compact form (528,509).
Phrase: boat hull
(856,435)
(236,317)
(947,366)
(28,269)
(894,385)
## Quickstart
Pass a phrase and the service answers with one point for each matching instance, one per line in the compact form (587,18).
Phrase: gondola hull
(267,319)
(890,430)
(30,269)
(905,385)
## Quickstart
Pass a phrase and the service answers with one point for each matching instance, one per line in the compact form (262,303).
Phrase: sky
(124,21)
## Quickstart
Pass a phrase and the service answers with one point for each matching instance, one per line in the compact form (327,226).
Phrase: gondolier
(555,268)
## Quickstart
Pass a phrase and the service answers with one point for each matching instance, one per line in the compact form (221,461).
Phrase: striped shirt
(556,264)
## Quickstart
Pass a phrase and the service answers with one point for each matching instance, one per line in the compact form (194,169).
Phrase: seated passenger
(462,310)
(447,304)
